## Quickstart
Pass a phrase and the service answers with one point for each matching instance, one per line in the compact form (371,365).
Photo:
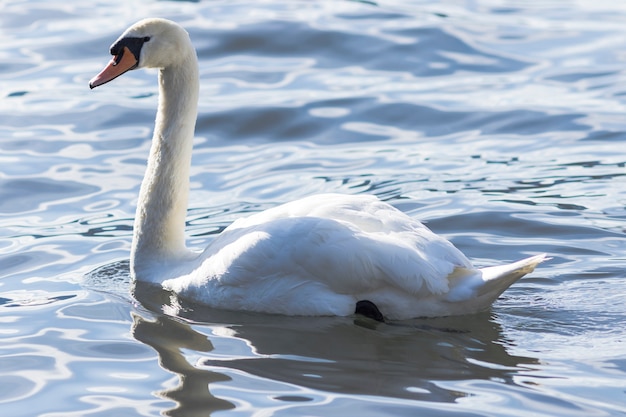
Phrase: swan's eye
(146,38)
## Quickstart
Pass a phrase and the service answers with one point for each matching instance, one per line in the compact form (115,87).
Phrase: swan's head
(149,43)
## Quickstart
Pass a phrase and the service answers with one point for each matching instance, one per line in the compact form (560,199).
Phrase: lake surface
(500,124)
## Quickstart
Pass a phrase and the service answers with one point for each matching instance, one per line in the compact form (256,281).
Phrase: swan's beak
(124,61)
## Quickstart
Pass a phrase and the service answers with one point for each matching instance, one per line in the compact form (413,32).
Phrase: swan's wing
(350,244)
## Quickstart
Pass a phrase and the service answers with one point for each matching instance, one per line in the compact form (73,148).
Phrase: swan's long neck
(161,210)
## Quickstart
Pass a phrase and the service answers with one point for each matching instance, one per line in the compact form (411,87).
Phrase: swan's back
(355,233)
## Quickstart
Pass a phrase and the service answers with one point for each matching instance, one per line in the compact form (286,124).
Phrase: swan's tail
(488,283)
(499,278)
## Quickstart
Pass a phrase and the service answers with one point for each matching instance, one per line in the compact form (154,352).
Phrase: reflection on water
(499,125)
(343,356)
(169,337)
(229,359)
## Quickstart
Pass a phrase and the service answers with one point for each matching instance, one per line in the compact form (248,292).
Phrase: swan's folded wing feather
(334,253)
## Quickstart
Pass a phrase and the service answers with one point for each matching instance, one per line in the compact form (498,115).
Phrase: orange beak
(125,61)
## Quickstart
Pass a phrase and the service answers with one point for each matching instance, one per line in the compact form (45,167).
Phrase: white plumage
(319,255)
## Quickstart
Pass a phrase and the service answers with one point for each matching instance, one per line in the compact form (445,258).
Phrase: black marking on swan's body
(368,309)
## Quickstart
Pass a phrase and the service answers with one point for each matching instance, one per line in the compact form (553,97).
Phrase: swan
(328,254)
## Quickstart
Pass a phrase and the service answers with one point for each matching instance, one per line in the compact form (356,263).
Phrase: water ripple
(497,124)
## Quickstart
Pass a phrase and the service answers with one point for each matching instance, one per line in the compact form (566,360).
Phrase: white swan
(327,254)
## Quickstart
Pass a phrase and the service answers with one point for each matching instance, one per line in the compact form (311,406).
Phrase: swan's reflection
(168,337)
(410,360)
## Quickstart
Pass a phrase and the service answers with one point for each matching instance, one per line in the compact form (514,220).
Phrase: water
(499,123)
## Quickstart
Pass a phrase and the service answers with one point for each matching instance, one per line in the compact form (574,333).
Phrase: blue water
(498,123)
